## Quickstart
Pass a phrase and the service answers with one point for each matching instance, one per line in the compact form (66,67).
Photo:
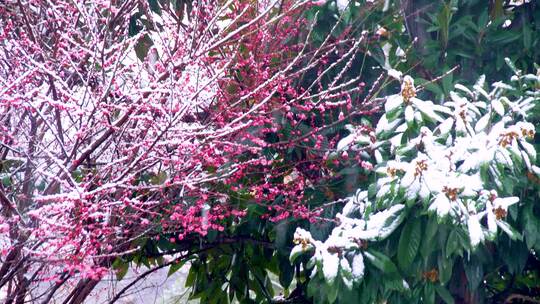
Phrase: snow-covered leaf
(295,253)
(476,235)
(345,142)
(330,265)
(464,89)
(393,103)
(446,126)
(497,106)
(358,267)
(381,224)
(482,123)
(512,233)
(409,115)
(427,109)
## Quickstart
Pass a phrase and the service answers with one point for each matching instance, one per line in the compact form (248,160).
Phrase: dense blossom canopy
(126,120)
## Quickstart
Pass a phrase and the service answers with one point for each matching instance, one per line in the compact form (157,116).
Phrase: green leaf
(511,65)
(452,244)
(532,225)
(430,231)
(527,36)
(429,294)
(174,268)
(381,261)
(133,27)
(158,179)
(192,276)
(6,181)
(121,268)
(444,294)
(286,272)
(445,266)
(474,272)
(143,46)
(447,83)
(284,235)
(154,6)
(333,291)
(514,255)
(349,296)
(409,241)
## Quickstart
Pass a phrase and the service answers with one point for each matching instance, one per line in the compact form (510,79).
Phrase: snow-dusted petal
(529,149)
(402,128)
(347,281)
(482,92)
(435,180)
(302,234)
(409,177)
(424,192)
(345,266)
(384,190)
(413,189)
(395,74)
(355,203)
(472,184)
(378,156)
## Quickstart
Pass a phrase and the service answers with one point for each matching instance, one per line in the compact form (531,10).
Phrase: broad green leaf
(332,291)
(444,294)
(427,241)
(409,241)
(381,261)
(154,6)
(429,294)
(474,272)
(445,266)
(121,268)
(452,244)
(286,272)
(174,268)
(134,28)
